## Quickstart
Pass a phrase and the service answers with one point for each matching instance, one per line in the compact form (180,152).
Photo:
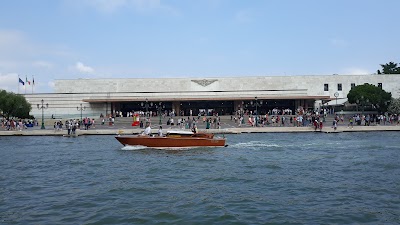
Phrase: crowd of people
(17,124)
(301,118)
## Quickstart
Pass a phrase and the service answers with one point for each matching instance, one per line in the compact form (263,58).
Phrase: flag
(33,81)
(27,81)
(21,81)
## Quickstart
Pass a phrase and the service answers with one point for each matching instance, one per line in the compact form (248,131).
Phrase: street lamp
(257,103)
(42,107)
(81,109)
(363,103)
(146,106)
(357,102)
(336,95)
(159,111)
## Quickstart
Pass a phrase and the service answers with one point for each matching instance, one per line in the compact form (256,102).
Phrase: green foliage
(394,107)
(389,68)
(13,105)
(368,94)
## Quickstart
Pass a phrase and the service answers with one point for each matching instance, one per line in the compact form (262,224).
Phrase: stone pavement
(123,126)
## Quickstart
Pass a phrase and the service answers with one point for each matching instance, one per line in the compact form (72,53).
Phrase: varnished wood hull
(170,142)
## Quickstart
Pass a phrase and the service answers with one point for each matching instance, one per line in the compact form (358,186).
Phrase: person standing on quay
(334,124)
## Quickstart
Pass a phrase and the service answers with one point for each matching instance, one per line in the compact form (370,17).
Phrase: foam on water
(255,144)
(133,148)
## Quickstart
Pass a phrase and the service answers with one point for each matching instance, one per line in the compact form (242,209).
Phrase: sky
(46,40)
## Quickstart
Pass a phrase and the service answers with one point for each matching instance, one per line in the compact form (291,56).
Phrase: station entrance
(207,108)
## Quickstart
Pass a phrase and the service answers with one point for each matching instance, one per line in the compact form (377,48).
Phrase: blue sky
(68,39)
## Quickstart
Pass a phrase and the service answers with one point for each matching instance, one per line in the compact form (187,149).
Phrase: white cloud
(82,68)
(9,82)
(20,55)
(356,71)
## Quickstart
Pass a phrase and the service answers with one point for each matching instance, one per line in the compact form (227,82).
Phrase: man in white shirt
(147,131)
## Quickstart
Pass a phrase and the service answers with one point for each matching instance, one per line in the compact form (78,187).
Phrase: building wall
(248,86)
(64,106)
(94,93)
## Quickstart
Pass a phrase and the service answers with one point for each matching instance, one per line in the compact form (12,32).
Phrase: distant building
(184,95)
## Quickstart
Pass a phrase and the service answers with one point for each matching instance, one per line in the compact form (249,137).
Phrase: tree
(13,105)
(370,95)
(394,107)
(389,68)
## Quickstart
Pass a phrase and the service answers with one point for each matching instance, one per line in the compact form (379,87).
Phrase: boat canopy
(181,132)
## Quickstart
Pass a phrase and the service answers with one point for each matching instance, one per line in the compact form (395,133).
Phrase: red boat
(174,139)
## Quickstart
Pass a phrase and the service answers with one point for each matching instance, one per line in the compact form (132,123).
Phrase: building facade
(224,95)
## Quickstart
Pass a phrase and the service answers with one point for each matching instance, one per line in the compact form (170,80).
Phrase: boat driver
(147,131)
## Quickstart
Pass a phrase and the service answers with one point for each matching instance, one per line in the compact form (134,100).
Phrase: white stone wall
(310,85)
(71,93)
(64,106)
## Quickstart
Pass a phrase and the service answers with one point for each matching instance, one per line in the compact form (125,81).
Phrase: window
(326,87)
(339,87)
(353,85)
(380,85)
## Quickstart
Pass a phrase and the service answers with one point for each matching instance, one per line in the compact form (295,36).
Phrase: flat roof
(172,99)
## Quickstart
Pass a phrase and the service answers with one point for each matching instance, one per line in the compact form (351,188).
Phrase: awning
(339,101)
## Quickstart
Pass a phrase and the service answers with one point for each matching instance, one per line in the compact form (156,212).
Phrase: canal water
(299,178)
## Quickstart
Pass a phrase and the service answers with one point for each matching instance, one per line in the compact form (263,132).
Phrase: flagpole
(26,81)
(32,84)
(18,83)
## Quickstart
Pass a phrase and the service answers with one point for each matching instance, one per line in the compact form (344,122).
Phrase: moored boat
(174,139)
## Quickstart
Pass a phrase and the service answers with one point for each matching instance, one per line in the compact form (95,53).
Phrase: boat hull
(170,142)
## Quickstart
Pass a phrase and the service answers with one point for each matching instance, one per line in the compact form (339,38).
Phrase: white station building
(224,95)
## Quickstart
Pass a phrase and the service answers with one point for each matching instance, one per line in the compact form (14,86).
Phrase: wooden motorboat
(174,139)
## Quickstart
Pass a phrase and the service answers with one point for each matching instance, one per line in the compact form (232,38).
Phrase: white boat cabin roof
(181,132)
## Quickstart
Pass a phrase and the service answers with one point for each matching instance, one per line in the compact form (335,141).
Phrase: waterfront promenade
(123,126)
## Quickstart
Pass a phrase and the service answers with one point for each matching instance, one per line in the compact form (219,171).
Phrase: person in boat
(147,130)
(160,132)
(194,128)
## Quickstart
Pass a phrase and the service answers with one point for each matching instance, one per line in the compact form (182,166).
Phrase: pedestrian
(334,123)
(69,127)
(351,122)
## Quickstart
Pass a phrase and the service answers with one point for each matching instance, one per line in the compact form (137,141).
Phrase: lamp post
(242,112)
(159,111)
(357,102)
(257,103)
(362,105)
(146,105)
(336,95)
(42,107)
(81,109)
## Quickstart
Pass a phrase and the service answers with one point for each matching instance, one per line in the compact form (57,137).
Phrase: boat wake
(133,148)
(255,144)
